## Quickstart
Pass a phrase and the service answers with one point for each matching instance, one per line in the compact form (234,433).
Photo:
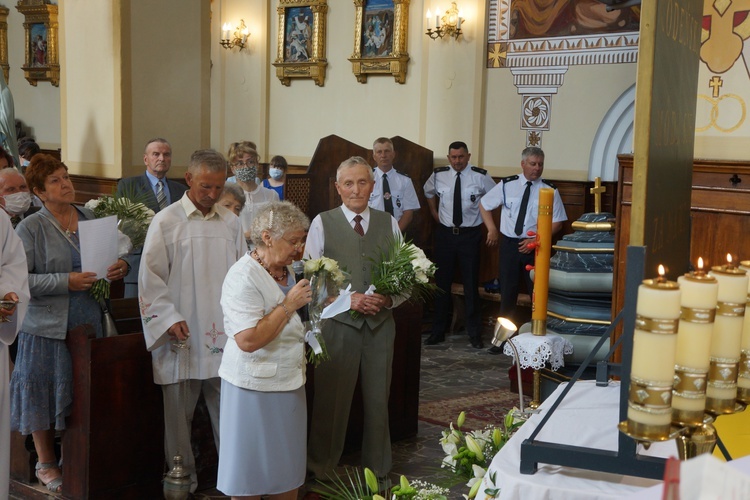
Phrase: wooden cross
(715,83)
(597,191)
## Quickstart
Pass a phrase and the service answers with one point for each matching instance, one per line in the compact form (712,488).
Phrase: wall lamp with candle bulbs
(230,40)
(449,24)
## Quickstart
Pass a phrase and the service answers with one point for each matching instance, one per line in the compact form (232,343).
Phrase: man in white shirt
(189,248)
(394,191)
(361,347)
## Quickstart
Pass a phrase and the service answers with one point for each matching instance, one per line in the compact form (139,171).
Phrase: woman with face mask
(276,175)
(243,161)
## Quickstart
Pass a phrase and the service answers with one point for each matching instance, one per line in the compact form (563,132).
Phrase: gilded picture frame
(40,33)
(301,44)
(4,11)
(380,37)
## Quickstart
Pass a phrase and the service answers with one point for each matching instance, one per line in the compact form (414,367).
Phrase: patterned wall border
(502,52)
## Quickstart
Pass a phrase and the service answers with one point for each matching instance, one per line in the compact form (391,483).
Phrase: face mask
(25,162)
(275,173)
(246,174)
(17,203)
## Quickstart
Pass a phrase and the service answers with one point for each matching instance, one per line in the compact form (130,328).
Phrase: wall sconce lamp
(448,24)
(236,39)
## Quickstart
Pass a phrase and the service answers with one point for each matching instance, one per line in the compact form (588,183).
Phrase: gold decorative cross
(597,191)
(715,83)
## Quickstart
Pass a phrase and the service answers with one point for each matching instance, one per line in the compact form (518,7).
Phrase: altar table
(588,417)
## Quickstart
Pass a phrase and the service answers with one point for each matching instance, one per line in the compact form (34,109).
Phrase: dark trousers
(462,249)
(512,266)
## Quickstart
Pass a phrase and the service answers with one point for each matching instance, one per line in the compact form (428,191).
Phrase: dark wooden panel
(720,215)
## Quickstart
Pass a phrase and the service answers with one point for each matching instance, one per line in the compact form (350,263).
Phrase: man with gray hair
(189,247)
(15,197)
(155,191)
(359,347)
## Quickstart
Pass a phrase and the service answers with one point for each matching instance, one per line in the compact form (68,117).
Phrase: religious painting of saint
(298,31)
(38,49)
(377,28)
(558,18)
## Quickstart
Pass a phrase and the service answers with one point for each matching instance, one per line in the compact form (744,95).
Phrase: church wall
(38,107)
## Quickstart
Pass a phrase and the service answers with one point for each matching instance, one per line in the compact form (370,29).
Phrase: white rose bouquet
(326,279)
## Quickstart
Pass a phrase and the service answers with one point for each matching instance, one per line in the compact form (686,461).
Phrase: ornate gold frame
(40,12)
(4,11)
(395,63)
(314,66)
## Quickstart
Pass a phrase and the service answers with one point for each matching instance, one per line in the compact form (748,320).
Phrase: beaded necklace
(284,272)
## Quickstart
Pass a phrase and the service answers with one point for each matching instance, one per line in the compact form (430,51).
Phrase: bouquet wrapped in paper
(328,299)
(133,219)
(402,269)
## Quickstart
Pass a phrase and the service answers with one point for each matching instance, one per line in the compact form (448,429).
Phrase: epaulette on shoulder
(480,170)
(402,173)
(549,183)
(441,169)
(510,178)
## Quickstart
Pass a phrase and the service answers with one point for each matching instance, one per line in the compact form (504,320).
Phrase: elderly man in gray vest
(351,235)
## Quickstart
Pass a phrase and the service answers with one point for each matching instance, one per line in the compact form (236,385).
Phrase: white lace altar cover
(536,350)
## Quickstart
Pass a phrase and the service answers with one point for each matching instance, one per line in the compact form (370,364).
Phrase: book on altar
(705,477)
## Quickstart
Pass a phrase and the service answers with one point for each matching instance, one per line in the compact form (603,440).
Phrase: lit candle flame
(700,263)
(729,259)
(662,272)
(429,14)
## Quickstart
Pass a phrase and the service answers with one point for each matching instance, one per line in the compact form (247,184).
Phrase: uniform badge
(473,198)
(398,202)
(387,196)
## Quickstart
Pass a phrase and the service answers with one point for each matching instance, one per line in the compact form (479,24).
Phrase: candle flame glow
(729,258)
(700,263)
(429,14)
(661,271)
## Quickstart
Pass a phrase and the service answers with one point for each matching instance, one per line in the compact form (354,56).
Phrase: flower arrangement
(363,485)
(325,276)
(133,219)
(469,454)
(403,269)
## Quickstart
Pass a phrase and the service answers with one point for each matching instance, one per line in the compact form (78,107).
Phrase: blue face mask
(275,173)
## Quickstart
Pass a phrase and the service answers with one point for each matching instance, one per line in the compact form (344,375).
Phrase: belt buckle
(456,230)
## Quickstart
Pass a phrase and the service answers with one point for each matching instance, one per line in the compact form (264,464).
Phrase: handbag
(109,328)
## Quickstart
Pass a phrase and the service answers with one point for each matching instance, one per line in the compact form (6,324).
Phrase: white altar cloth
(535,351)
(588,417)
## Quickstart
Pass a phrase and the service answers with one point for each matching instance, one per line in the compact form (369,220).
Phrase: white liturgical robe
(14,277)
(185,259)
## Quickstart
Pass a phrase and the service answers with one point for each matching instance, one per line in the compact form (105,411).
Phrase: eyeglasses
(246,163)
(297,246)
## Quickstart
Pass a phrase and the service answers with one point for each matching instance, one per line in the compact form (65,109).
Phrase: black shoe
(477,344)
(495,349)
(434,339)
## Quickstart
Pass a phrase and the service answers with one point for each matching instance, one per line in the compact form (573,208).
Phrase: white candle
(699,294)
(437,17)
(225,31)
(743,381)
(458,22)
(726,337)
(429,19)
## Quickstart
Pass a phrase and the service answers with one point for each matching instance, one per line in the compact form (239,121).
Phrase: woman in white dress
(263,430)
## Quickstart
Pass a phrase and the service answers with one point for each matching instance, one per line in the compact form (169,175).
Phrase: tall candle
(429,19)
(726,338)
(652,368)
(541,262)
(743,378)
(699,293)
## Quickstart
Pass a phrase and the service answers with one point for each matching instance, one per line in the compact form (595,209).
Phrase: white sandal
(54,485)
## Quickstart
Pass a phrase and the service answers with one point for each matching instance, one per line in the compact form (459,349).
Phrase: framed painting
(40,29)
(380,36)
(4,11)
(301,49)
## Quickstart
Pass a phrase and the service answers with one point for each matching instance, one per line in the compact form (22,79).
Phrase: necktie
(161,198)
(387,201)
(522,213)
(458,216)
(358,225)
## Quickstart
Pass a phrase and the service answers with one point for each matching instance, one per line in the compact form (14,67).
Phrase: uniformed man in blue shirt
(519,197)
(453,193)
